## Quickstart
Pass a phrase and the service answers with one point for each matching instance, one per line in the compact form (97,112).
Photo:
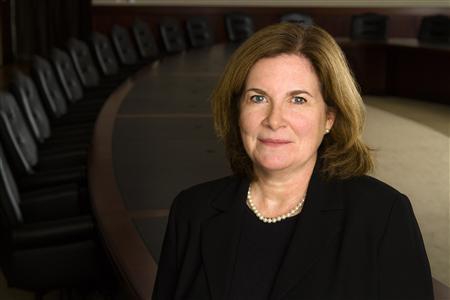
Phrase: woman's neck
(275,193)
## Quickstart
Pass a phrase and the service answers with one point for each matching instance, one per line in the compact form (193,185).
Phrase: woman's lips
(274,142)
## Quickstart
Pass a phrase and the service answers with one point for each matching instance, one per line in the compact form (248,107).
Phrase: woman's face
(283,116)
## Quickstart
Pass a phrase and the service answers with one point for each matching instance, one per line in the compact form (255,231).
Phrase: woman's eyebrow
(298,92)
(259,91)
(291,93)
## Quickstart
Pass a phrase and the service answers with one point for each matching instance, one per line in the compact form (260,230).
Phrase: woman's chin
(273,166)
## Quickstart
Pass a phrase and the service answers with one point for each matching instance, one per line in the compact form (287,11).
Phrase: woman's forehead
(286,71)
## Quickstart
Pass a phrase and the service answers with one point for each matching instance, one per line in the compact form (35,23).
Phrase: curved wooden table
(153,138)
(400,67)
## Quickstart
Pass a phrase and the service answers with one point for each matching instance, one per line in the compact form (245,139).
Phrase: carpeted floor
(411,147)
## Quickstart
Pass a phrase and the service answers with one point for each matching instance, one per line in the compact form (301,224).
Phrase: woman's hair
(342,152)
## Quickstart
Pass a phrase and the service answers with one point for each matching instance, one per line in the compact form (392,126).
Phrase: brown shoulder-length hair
(342,152)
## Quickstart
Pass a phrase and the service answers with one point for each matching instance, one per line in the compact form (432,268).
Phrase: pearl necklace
(290,213)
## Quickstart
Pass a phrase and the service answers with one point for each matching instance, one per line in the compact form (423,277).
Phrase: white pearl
(274,219)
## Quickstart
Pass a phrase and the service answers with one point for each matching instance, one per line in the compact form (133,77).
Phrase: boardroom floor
(411,141)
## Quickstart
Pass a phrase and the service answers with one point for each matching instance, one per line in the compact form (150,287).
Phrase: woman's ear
(331,116)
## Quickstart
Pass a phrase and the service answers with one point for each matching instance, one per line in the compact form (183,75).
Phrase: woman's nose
(275,117)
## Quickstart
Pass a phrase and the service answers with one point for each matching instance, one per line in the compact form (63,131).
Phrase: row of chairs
(368,26)
(173,39)
(199,33)
(47,231)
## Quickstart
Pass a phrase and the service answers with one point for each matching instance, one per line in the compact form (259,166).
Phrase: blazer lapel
(320,221)
(220,237)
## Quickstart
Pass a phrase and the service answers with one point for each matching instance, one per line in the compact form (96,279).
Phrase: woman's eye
(298,100)
(257,98)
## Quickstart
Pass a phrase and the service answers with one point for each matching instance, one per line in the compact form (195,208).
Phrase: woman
(299,219)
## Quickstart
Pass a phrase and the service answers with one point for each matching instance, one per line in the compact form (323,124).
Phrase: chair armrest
(51,233)
(51,204)
(67,159)
(43,178)
(61,153)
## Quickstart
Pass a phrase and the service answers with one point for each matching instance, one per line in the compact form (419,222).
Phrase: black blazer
(357,239)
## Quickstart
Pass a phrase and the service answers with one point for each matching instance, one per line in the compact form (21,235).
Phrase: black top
(259,255)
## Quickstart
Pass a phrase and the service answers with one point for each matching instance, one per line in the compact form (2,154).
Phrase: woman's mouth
(274,142)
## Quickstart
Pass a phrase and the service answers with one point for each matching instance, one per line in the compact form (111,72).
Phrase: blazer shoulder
(371,203)
(199,197)
(209,188)
(371,196)
(371,187)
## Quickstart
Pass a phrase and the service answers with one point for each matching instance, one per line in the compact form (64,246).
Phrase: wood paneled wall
(5,27)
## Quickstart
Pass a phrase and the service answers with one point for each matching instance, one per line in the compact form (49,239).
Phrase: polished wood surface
(125,246)
(154,138)
(418,71)
(400,67)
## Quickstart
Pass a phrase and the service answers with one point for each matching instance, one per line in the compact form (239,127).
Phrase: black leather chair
(87,70)
(124,46)
(146,44)
(239,26)
(53,97)
(43,75)
(27,95)
(71,85)
(35,170)
(83,62)
(297,18)
(49,253)
(369,26)
(199,32)
(67,76)
(172,36)
(435,30)
(104,54)
(43,204)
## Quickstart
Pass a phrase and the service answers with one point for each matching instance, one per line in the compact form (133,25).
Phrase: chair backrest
(435,29)
(144,39)
(104,54)
(49,88)
(123,45)
(65,71)
(368,26)
(27,95)
(16,137)
(84,63)
(239,27)
(10,212)
(297,18)
(172,36)
(199,32)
